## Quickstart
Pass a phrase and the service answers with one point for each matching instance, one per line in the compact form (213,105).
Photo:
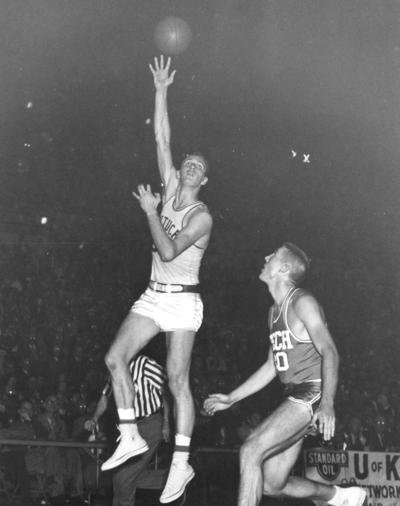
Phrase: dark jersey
(296,360)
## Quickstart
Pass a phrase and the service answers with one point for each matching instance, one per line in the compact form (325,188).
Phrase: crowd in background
(61,302)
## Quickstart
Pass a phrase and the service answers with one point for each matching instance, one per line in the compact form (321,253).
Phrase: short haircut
(299,261)
(203,159)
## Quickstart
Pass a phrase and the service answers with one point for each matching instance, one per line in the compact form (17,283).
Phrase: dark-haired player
(304,357)
(172,302)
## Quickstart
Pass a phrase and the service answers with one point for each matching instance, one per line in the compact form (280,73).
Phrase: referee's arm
(101,407)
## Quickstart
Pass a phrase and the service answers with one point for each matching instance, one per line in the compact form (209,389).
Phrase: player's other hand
(324,416)
(147,199)
(217,402)
(161,75)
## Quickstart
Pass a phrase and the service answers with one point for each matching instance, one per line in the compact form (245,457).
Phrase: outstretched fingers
(161,71)
(141,190)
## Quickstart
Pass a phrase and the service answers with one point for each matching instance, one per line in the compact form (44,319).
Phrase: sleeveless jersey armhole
(166,201)
(194,206)
(270,317)
(285,319)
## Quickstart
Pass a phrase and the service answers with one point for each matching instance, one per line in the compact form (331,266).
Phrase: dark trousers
(126,476)
(15,469)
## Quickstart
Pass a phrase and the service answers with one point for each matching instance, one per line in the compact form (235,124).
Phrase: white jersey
(184,269)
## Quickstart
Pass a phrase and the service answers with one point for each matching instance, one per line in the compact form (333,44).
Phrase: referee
(152,417)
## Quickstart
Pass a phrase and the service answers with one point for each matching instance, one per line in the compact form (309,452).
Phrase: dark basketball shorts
(308,394)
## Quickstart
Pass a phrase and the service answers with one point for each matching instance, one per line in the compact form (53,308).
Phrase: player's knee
(272,487)
(250,452)
(113,361)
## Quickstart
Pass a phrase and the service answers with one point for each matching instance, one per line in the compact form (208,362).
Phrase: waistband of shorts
(173,288)
(301,388)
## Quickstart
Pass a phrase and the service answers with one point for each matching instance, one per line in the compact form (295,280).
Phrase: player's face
(272,265)
(193,171)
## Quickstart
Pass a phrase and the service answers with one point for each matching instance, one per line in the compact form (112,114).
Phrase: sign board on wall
(378,473)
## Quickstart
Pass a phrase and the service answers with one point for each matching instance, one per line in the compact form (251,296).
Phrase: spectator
(354,438)
(62,467)
(14,456)
(379,439)
(383,407)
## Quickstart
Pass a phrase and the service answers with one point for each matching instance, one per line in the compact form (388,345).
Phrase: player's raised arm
(163,78)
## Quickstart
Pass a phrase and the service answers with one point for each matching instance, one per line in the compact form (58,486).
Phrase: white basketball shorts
(171,311)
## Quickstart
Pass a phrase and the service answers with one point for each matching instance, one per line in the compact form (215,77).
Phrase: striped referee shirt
(148,379)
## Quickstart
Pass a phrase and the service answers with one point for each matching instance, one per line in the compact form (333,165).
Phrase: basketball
(172,36)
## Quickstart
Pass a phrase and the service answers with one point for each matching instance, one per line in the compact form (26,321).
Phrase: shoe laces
(120,435)
(123,436)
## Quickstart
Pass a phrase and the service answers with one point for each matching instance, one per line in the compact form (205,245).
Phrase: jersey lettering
(169,226)
(184,268)
(280,340)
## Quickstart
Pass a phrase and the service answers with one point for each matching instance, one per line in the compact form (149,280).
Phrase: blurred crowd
(61,302)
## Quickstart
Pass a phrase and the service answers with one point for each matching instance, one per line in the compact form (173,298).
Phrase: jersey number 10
(281,361)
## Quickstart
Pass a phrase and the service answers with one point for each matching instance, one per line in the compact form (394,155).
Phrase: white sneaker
(355,496)
(128,447)
(178,478)
(350,496)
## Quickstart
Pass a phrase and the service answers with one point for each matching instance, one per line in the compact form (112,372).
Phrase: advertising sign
(378,473)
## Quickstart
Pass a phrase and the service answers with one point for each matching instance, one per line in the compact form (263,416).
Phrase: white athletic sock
(181,451)
(127,424)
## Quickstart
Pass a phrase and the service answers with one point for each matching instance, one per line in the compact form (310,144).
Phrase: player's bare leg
(133,335)
(268,456)
(179,350)
(279,432)
(179,357)
(135,332)
(278,482)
